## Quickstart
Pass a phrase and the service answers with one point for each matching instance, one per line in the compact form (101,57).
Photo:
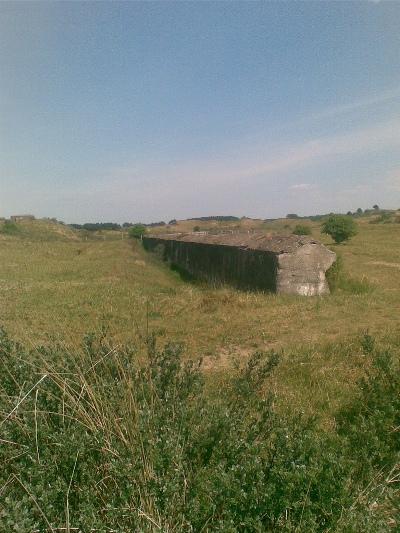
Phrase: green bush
(340,227)
(137,231)
(370,427)
(302,229)
(9,228)
(98,441)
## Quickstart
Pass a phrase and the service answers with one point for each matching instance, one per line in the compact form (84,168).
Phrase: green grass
(101,439)
(59,284)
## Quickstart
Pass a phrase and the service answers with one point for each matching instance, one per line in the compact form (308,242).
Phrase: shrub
(9,228)
(340,227)
(370,426)
(98,441)
(302,229)
(137,231)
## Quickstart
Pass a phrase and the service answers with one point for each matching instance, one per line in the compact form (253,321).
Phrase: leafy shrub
(340,227)
(98,441)
(370,425)
(302,229)
(137,231)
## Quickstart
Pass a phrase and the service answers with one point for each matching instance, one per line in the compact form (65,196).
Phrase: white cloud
(301,187)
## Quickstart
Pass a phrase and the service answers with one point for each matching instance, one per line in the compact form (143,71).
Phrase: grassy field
(59,284)
(273,432)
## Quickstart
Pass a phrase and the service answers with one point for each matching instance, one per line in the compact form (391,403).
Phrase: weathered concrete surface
(291,265)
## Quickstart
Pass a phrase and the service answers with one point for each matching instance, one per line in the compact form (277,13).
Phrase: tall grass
(105,440)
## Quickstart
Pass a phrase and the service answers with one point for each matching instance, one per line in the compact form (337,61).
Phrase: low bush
(98,441)
(302,229)
(137,231)
(9,228)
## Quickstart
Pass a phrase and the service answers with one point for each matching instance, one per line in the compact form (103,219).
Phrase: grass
(80,428)
(59,284)
(99,439)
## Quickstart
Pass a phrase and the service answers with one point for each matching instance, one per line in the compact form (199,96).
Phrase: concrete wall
(301,272)
(247,269)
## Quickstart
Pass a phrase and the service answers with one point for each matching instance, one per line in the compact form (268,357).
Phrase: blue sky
(157,110)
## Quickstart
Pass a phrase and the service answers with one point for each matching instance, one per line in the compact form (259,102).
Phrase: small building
(282,264)
(21,218)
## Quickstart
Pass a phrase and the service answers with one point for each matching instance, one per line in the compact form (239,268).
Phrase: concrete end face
(303,272)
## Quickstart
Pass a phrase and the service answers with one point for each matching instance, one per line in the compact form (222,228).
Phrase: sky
(148,111)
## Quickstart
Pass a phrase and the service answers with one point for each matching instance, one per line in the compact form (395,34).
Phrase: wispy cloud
(363,102)
(277,159)
(301,187)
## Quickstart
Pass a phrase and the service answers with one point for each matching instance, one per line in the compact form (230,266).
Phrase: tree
(340,227)
(137,231)
(376,207)
(292,215)
(359,211)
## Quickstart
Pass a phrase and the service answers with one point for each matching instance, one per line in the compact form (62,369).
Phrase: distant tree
(292,215)
(359,211)
(127,225)
(302,229)
(196,228)
(155,224)
(349,214)
(340,227)
(376,207)
(97,226)
(218,218)
(137,231)
(172,222)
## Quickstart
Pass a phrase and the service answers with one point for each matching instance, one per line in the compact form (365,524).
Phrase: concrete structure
(21,218)
(290,265)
